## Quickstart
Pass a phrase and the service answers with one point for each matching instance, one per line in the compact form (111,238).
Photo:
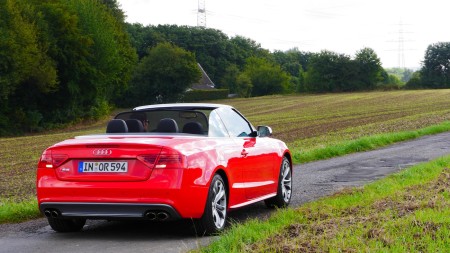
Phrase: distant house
(205,83)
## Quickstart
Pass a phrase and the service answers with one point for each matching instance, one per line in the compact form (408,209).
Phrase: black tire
(214,217)
(284,191)
(66,225)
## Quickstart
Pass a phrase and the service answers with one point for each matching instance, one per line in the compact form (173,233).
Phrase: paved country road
(311,181)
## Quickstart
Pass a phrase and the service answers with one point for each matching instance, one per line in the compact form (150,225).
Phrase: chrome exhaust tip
(162,216)
(54,214)
(47,213)
(150,215)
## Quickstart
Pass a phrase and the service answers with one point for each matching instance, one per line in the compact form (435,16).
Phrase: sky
(398,30)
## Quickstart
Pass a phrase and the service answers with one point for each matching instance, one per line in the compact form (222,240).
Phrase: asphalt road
(311,181)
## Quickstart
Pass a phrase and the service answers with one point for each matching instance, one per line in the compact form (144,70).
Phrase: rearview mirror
(264,131)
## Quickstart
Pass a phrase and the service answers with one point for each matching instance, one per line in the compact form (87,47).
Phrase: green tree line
(62,61)
(245,68)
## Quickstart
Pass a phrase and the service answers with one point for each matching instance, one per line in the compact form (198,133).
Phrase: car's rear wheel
(284,191)
(66,225)
(215,214)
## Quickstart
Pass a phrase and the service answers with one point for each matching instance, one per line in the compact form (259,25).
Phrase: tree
(229,79)
(24,66)
(407,74)
(110,54)
(143,38)
(60,61)
(295,63)
(403,74)
(114,8)
(212,48)
(244,85)
(330,72)
(292,61)
(164,74)
(23,57)
(266,77)
(241,48)
(369,68)
(415,81)
(435,72)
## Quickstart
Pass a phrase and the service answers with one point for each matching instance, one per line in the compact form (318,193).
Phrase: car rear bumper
(123,199)
(159,212)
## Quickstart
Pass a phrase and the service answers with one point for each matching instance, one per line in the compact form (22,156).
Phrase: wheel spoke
(286,182)
(216,217)
(219,204)
(219,196)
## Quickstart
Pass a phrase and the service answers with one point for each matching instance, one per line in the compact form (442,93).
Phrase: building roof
(205,83)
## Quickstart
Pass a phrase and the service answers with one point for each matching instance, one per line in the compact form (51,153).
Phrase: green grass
(405,212)
(313,126)
(365,143)
(11,211)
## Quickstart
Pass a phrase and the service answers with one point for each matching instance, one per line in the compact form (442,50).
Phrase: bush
(201,95)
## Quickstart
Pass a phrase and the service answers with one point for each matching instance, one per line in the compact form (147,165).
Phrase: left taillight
(50,160)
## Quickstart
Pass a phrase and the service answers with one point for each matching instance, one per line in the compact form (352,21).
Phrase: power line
(401,44)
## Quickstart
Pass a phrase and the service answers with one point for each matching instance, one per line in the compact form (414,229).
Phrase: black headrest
(167,125)
(134,126)
(116,126)
(193,128)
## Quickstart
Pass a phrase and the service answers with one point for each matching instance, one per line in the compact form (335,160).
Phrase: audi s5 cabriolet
(164,162)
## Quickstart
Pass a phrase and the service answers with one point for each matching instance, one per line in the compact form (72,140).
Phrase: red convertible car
(164,162)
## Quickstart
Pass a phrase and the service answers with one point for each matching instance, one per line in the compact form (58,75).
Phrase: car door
(255,159)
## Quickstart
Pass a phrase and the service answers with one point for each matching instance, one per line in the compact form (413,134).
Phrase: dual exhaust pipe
(52,213)
(156,216)
(151,215)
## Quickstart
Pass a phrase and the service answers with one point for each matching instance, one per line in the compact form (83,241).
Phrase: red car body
(157,175)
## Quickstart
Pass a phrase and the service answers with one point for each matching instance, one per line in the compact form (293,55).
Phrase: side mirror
(264,131)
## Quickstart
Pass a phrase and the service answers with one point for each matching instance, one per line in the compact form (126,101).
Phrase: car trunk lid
(108,161)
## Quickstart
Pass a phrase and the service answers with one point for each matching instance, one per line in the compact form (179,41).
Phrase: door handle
(244,153)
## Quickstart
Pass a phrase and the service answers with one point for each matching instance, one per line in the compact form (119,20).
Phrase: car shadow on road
(144,230)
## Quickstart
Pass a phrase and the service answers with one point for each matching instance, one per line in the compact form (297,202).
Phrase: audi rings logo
(101,152)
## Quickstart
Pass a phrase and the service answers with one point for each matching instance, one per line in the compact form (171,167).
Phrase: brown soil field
(304,122)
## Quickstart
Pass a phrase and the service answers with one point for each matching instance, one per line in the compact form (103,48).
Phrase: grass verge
(365,143)
(405,212)
(11,211)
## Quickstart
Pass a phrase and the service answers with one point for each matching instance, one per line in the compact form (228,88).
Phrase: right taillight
(169,159)
(165,159)
(50,160)
(148,159)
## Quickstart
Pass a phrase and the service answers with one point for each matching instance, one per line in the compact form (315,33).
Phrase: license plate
(103,167)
